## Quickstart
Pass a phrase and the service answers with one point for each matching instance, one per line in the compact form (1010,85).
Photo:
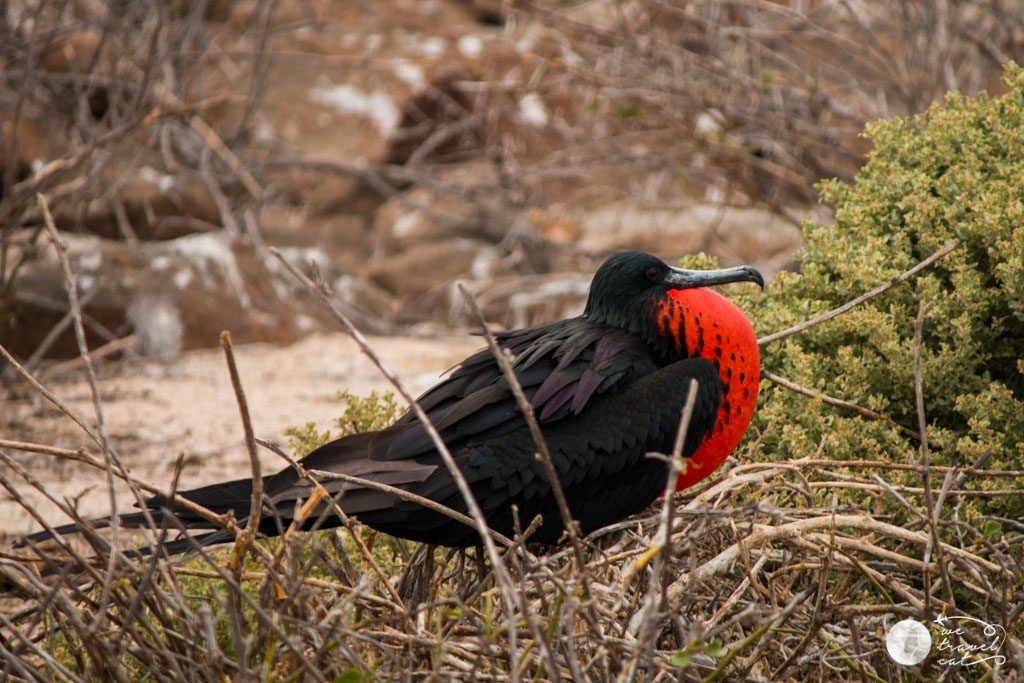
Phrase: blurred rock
(438,119)
(734,235)
(519,301)
(423,275)
(79,52)
(556,223)
(345,239)
(419,216)
(84,53)
(153,205)
(466,203)
(172,295)
(370,307)
(28,139)
(420,86)
(349,109)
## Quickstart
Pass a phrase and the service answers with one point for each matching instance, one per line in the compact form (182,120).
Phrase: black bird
(607,388)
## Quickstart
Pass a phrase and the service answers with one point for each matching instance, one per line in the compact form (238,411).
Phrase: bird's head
(629,287)
(677,313)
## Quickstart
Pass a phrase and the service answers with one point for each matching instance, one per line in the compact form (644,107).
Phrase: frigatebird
(607,388)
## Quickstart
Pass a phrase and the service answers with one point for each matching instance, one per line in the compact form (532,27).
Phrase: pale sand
(158,408)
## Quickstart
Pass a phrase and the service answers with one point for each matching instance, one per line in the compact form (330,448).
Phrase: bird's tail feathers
(234,496)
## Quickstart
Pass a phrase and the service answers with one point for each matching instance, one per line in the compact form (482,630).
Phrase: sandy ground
(158,408)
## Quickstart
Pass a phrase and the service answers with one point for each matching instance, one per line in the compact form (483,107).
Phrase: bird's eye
(652,273)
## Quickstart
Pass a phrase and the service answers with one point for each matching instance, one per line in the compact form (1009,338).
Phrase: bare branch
(867,296)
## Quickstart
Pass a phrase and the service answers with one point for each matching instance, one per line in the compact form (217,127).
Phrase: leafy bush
(362,414)
(953,172)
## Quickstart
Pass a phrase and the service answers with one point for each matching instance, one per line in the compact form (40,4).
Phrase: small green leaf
(682,658)
(992,528)
(715,649)
(350,676)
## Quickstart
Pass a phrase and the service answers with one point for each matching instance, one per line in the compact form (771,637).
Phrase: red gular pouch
(706,324)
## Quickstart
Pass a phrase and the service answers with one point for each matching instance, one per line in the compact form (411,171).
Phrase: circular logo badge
(908,642)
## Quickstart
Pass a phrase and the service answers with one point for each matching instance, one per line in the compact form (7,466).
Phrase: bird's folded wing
(597,450)
(560,367)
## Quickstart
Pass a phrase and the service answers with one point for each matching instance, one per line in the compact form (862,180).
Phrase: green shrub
(953,172)
(362,414)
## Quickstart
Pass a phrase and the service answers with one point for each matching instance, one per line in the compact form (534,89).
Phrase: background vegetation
(954,173)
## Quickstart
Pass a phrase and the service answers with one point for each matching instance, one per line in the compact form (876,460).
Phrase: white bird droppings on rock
(532,111)
(470,46)
(405,224)
(376,105)
(204,250)
(484,262)
(432,47)
(344,285)
(182,278)
(157,323)
(263,131)
(90,260)
(707,123)
(410,73)
(163,181)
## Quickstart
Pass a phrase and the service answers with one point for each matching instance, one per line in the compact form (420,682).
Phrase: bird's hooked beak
(681,278)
